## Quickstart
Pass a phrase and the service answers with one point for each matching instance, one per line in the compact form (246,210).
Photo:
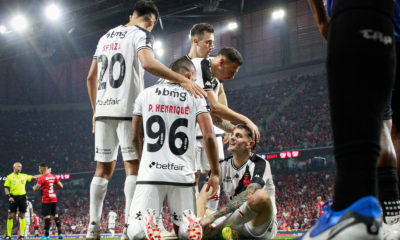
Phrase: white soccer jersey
(120,74)
(112,217)
(169,120)
(28,210)
(235,180)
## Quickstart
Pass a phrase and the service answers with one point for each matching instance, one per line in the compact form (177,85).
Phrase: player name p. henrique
(169,109)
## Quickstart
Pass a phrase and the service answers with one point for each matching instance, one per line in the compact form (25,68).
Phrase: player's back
(48,181)
(120,74)
(169,120)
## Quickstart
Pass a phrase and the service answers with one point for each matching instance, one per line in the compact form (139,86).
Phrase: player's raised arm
(36,187)
(151,65)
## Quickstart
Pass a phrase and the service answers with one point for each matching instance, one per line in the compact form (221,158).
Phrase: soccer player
(48,183)
(112,217)
(320,204)
(36,224)
(14,188)
(165,117)
(247,183)
(28,215)
(211,74)
(115,79)
(360,64)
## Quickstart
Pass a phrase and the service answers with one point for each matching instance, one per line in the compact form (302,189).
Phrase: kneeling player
(166,116)
(247,183)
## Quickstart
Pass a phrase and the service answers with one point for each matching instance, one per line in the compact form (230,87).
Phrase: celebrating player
(165,116)
(14,188)
(247,183)
(48,183)
(112,218)
(128,47)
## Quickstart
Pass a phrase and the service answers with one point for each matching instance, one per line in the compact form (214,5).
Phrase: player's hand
(213,183)
(195,89)
(323,29)
(93,122)
(254,130)
(11,199)
(227,137)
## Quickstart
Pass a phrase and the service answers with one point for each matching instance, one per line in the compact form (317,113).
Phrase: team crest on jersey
(246,180)
(14,182)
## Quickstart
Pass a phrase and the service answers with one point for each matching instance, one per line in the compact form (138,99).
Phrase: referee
(14,187)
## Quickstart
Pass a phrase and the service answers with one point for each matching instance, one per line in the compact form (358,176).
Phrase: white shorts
(109,135)
(111,225)
(201,162)
(28,221)
(152,196)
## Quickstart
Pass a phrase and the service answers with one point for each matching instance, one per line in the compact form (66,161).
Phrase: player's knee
(259,201)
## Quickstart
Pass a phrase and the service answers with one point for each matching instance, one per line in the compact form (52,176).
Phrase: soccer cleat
(229,234)
(60,236)
(7,238)
(391,232)
(44,237)
(192,225)
(124,235)
(360,221)
(150,226)
(21,237)
(93,232)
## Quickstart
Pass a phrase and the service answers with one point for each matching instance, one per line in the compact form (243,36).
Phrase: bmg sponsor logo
(166,166)
(166,92)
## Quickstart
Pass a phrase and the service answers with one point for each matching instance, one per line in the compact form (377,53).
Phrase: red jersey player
(36,224)
(48,182)
(320,204)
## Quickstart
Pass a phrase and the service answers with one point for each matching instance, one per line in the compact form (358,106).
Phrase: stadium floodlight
(278,14)
(53,12)
(160,52)
(232,26)
(3,29)
(157,45)
(19,23)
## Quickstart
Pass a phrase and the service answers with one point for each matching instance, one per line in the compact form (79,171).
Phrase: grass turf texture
(282,238)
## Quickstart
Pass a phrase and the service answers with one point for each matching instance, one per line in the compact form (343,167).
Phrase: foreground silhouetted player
(129,48)
(360,70)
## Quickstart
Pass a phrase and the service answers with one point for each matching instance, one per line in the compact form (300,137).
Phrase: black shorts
(387,112)
(19,203)
(396,91)
(49,209)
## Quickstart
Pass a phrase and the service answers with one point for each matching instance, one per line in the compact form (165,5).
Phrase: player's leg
(360,70)
(22,221)
(396,111)
(57,220)
(46,211)
(388,191)
(12,209)
(146,206)
(182,204)
(28,223)
(106,151)
(131,165)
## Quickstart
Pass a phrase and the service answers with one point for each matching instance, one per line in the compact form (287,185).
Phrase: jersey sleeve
(143,40)
(97,52)
(28,177)
(206,74)
(202,105)
(40,181)
(138,105)
(56,180)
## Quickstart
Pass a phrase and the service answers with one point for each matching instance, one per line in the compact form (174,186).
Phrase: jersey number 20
(114,83)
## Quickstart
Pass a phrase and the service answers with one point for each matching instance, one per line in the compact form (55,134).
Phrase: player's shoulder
(257,158)
(10,175)
(226,160)
(198,61)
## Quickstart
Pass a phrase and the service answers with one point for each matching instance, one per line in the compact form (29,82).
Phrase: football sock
(46,226)
(389,194)
(10,224)
(58,224)
(98,190)
(129,190)
(22,225)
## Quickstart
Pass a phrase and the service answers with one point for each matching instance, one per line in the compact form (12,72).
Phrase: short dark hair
(43,165)
(183,63)
(232,55)
(246,128)
(199,29)
(146,8)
